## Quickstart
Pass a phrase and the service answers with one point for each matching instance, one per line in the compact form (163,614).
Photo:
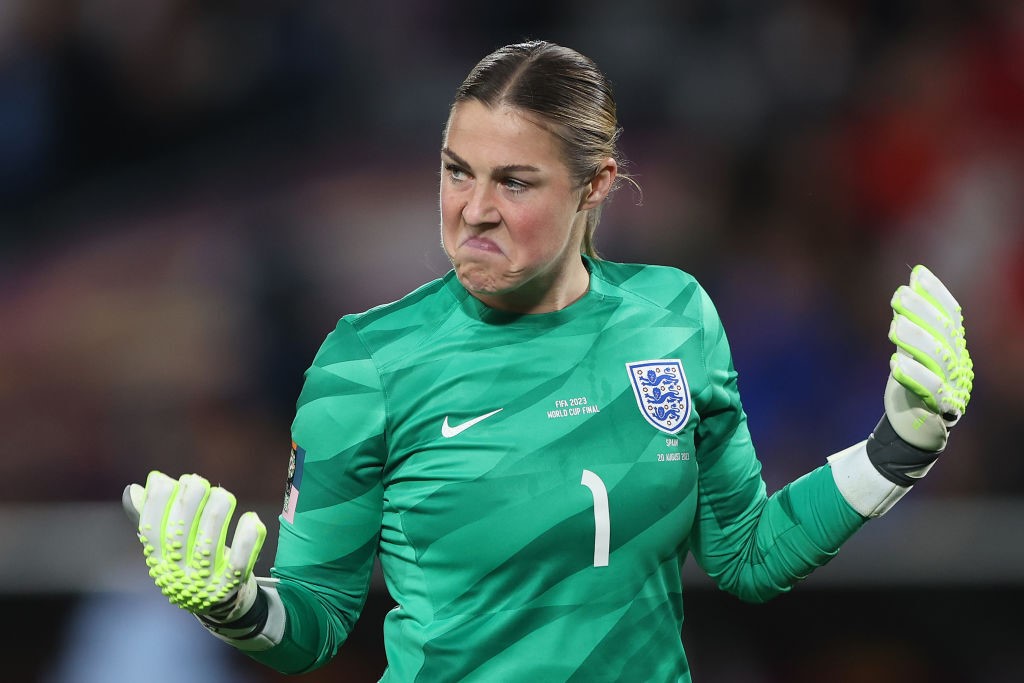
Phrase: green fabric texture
(488,539)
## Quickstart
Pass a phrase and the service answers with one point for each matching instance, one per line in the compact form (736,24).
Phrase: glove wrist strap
(894,458)
(260,628)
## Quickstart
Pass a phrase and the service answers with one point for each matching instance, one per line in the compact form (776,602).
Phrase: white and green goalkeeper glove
(929,387)
(183,527)
(930,380)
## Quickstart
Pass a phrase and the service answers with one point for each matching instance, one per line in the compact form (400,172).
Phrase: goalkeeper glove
(929,386)
(183,526)
(930,380)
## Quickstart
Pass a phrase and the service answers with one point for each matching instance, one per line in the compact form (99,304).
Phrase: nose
(481,209)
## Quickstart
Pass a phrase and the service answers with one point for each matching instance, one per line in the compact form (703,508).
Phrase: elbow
(754,587)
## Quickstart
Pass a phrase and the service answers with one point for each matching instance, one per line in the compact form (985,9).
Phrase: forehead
(500,136)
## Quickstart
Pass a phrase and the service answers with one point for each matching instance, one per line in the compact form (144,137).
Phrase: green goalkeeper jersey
(531,485)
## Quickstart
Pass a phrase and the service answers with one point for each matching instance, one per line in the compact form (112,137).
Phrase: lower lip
(482,244)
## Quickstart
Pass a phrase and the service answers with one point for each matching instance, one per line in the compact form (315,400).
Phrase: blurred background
(191,194)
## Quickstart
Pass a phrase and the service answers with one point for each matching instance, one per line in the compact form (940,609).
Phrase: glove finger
(183,517)
(926,314)
(911,339)
(917,379)
(246,544)
(940,396)
(131,500)
(961,384)
(212,532)
(928,285)
(159,492)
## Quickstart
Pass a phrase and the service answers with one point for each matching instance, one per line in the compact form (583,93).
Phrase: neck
(544,294)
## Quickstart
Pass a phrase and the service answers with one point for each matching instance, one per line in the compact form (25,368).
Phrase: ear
(596,191)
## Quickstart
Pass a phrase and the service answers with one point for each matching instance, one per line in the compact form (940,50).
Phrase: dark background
(192,192)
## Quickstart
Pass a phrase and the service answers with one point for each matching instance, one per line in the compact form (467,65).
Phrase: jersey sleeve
(751,544)
(330,528)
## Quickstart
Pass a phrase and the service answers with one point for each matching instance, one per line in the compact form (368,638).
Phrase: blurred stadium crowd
(191,193)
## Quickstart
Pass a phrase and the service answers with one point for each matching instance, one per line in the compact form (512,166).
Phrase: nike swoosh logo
(448,431)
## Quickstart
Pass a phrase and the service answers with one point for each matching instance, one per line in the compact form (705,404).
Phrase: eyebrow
(507,168)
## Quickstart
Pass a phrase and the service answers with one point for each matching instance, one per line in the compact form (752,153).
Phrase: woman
(533,443)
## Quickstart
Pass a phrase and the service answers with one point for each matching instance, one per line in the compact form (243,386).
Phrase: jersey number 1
(602,521)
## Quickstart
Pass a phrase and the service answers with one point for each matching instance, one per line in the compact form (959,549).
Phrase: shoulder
(402,323)
(423,303)
(663,287)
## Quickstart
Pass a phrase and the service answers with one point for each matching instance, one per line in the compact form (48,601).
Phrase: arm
(758,546)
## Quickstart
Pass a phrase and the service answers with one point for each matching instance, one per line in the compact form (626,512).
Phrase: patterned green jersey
(531,484)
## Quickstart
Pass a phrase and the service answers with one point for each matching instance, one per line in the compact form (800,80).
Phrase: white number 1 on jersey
(602,521)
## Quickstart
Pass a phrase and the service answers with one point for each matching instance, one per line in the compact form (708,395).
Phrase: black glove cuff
(249,624)
(893,457)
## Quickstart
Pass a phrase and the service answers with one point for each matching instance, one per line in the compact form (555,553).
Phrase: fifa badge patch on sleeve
(291,489)
(662,393)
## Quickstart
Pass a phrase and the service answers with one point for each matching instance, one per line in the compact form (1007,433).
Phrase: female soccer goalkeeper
(533,443)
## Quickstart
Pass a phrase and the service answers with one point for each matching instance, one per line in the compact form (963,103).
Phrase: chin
(476,282)
(477,279)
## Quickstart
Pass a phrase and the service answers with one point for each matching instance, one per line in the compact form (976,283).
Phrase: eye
(455,173)
(514,186)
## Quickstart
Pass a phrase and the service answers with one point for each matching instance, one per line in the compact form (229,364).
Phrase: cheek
(450,212)
(446,205)
(528,232)
(540,230)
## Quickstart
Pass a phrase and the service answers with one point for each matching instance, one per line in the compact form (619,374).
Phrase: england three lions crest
(661,392)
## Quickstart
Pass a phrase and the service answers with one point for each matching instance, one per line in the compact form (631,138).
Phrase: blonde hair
(569,92)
